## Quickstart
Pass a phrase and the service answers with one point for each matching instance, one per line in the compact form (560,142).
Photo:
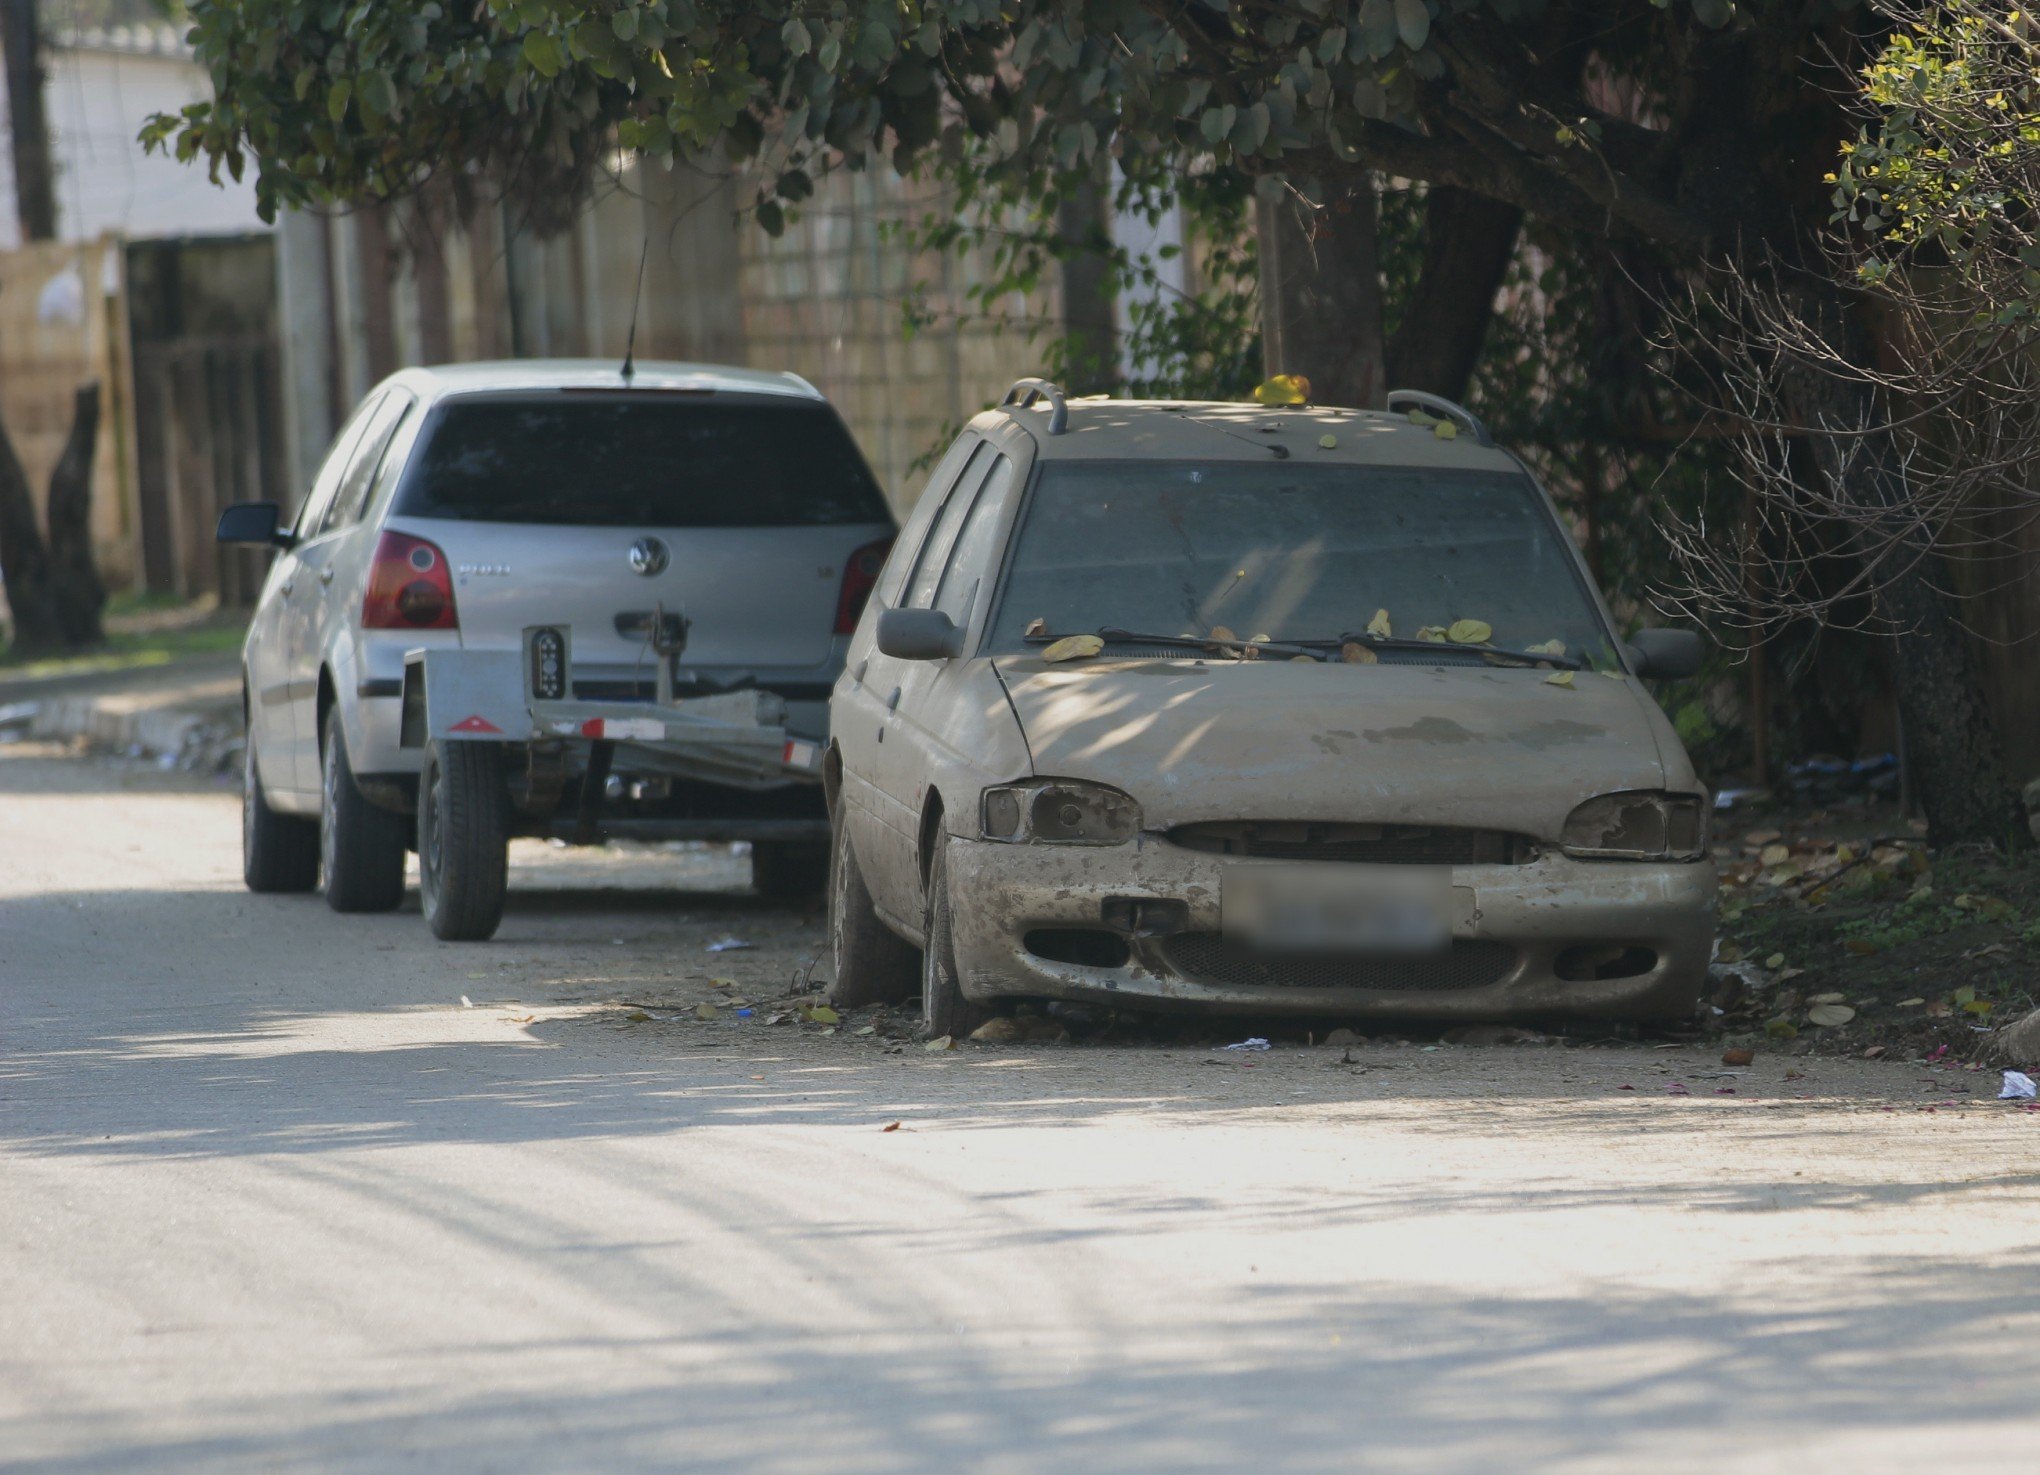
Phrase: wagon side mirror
(918,635)
(1666,654)
(252,522)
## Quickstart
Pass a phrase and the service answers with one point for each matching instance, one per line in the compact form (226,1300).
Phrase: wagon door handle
(892,702)
(858,674)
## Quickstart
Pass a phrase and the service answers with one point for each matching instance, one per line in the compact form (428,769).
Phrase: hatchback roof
(511,375)
(1208,430)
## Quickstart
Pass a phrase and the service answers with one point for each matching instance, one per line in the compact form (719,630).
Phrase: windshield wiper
(1394,642)
(1113,635)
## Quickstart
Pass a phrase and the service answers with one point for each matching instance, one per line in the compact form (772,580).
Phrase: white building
(103,85)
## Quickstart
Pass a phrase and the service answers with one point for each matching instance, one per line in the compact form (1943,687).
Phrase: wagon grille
(1413,845)
(1205,957)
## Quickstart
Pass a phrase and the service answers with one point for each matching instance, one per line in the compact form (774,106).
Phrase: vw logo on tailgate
(648,556)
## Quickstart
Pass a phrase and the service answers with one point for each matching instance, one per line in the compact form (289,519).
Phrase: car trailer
(509,750)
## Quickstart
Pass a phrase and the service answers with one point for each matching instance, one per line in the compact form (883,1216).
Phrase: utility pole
(35,183)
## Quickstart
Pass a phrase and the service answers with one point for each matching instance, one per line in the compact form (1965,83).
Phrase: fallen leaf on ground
(1861,947)
(1825,998)
(1775,855)
(1763,837)
(466,1002)
(1776,960)
(704,1011)
(1738,1057)
(636,1016)
(890,1127)
(941,1042)
(1910,1003)
(1828,1016)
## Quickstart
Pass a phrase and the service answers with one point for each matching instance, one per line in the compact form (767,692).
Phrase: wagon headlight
(1637,826)
(1058,812)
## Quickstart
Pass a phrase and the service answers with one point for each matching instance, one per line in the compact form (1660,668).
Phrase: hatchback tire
(279,852)
(786,870)
(873,964)
(361,845)
(463,840)
(944,1009)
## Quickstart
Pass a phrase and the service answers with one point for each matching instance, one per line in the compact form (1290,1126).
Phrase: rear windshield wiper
(1393,642)
(1113,635)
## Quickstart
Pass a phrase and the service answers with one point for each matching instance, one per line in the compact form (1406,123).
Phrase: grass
(132,650)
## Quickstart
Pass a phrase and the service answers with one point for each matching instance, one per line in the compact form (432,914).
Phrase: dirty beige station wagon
(1297,711)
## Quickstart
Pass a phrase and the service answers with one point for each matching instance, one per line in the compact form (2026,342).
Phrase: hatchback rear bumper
(1532,940)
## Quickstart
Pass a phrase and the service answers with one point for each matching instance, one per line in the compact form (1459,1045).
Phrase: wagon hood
(1460,745)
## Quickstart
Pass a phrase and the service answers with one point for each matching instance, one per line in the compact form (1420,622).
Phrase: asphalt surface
(273,1197)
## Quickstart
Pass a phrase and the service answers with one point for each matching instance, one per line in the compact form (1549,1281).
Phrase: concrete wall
(825,300)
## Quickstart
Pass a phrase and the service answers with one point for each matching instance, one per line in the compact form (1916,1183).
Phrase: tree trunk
(35,179)
(24,559)
(78,594)
(1090,325)
(1321,292)
(1469,241)
(1949,734)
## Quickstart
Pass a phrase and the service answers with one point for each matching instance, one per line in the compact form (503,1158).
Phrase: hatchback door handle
(858,674)
(892,702)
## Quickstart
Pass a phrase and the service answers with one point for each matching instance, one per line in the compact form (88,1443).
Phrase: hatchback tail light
(860,575)
(410,587)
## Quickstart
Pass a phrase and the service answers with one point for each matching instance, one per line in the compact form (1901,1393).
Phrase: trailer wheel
(873,964)
(463,839)
(787,870)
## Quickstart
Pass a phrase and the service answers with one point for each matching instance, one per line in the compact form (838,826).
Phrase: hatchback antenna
(637,295)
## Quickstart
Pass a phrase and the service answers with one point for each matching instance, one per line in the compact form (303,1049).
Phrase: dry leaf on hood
(1559,678)
(1379,627)
(1073,648)
(1353,653)
(1470,632)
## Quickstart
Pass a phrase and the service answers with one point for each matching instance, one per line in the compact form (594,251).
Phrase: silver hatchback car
(1301,711)
(461,504)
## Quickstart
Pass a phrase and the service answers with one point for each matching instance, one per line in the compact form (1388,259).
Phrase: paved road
(273,1198)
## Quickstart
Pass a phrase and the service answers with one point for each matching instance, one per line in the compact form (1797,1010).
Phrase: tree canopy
(1663,122)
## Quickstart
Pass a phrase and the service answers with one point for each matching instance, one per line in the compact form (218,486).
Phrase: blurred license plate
(1331,908)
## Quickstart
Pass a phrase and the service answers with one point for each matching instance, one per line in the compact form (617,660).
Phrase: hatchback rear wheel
(463,840)
(361,845)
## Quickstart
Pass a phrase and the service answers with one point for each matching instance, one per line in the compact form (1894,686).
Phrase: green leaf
(795,34)
(378,98)
(1713,14)
(771,219)
(337,98)
(624,23)
(543,52)
(1413,22)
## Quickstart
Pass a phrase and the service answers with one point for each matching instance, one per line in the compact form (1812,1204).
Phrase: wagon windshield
(1294,553)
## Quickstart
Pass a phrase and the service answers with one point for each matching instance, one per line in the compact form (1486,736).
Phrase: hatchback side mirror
(1666,654)
(918,635)
(252,522)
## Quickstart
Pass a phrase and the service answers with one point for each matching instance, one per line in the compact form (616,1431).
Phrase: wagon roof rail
(1026,391)
(1437,404)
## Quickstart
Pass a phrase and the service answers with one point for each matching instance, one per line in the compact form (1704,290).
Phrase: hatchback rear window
(643,460)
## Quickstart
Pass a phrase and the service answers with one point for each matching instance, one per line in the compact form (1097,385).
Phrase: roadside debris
(726,945)
(1253,1043)
(2018,1087)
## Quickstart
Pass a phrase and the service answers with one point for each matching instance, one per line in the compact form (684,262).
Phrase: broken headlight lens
(1058,812)
(1638,826)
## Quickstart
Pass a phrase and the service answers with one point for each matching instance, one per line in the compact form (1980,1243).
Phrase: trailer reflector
(624,730)
(476,723)
(798,754)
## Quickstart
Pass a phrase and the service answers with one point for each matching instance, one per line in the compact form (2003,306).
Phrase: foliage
(1504,97)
